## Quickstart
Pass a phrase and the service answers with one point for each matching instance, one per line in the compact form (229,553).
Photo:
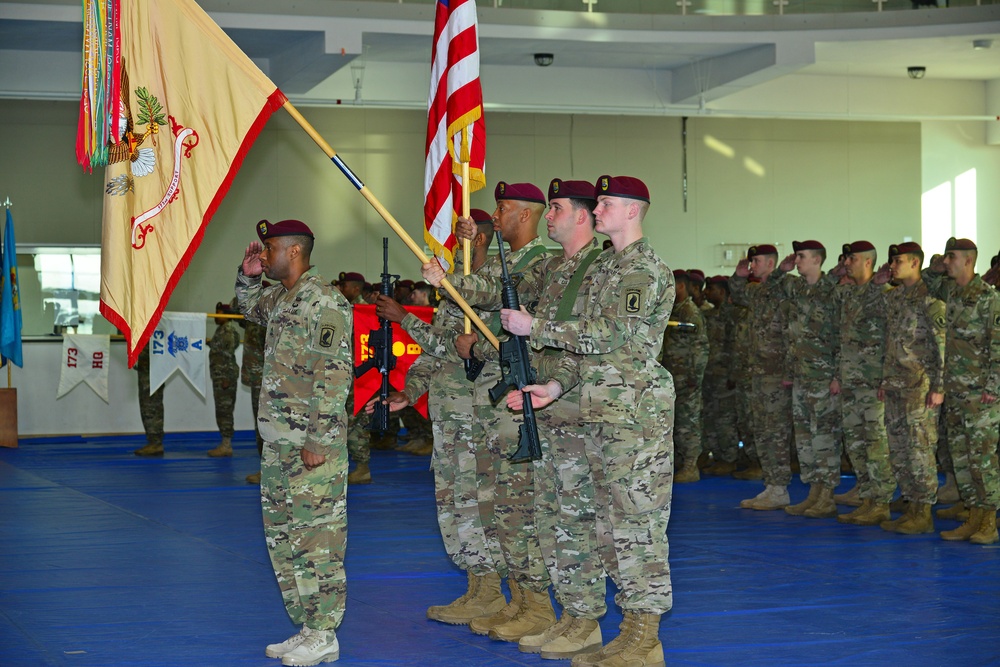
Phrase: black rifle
(382,358)
(516,371)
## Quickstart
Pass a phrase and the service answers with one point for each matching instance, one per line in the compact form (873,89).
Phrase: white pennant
(85,359)
(178,343)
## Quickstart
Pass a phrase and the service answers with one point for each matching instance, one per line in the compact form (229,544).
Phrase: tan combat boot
(823,507)
(987,533)
(967,529)
(361,474)
(534,643)
(582,635)
(771,498)
(151,449)
(535,615)
(892,524)
(482,625)
(957,511)
(852,498)
(876,514)
(900,504)
(918,520)
(947,493)
(253,478)
(638,645)
(687,473)
(800,508)
(720,469)
(483,597)
(225,448)
(852,516)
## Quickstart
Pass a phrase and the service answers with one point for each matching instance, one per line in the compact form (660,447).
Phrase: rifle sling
(573,287)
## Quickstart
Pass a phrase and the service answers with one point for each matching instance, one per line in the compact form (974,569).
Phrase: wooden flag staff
(391,221)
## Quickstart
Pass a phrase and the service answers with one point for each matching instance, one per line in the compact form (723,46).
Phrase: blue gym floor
(109,559)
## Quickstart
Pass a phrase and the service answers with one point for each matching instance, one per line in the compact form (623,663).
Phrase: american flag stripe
(454,102)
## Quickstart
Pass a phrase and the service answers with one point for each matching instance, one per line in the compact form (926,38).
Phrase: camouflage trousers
(357,433)
(506,494)
(566,516)
(972,440)
(224,395)
(816,418)
(453,461)
(255,404)
(305,526)
(417,426)
(687,420)
(633,504)
(744,424)
(718,415)
(150,407)
(942,453)
(865,438)
(771,419)
(912,430)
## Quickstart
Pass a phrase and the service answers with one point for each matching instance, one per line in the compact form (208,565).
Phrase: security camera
(543,59)
(916,72)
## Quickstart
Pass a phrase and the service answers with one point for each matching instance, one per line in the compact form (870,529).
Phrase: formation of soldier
(898,368)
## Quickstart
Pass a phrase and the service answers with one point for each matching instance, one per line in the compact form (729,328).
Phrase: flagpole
(391,221)
(466,244)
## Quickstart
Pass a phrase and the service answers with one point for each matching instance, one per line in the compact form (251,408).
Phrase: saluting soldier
(225,374)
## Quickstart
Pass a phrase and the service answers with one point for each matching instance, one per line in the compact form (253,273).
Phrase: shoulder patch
(633,299)
(940,322)
(327,336)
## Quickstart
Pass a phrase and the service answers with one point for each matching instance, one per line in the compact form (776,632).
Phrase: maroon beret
(621,186)
(681,273)
(765,249)
(807,245)
(904,249)
(269,230)
(857,246)
(959,244)
(479,215)
(408,284)
(560,189)
(697,275)
(518,191)
(351,277)
(717,280)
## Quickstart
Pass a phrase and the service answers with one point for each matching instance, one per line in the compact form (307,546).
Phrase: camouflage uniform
(718,414)
(685,355)
(627,403)
(914,365)
(770,401)
(862,351)
(440,373)
(506,490)
(252,371)
(565,510)
(307,374)
(972,367)
(812,341)
(150,406)
(225,374)
(358,436)
(742,378)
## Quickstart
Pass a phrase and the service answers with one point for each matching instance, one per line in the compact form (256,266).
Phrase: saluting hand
(788,263)
(882,276)
(743,268)
(251,260)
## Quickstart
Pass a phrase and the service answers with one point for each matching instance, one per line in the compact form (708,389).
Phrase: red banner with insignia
(171,106)
(403,348)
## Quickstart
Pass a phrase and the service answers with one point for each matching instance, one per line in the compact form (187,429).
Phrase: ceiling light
(916,72)
(544,59)
(980,44)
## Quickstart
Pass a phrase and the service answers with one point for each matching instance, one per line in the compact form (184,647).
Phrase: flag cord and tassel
(391,221)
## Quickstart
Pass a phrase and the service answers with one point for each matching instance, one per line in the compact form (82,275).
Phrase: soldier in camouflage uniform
(771,407)
(862,350)
(719,411)
(307,374)
(812,342)
(440,372)
(972,386)
(912,377)
(626,401)
(150,409)
(225,373)
(506,490)
(251,375)
(565,512)
(685,354)
(748,463)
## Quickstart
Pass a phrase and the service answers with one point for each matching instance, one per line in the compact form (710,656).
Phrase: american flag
(456,130)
